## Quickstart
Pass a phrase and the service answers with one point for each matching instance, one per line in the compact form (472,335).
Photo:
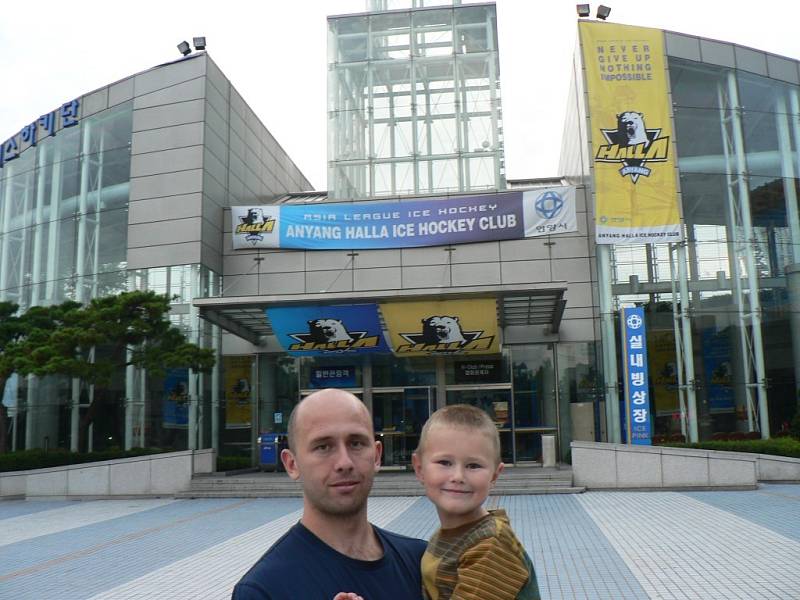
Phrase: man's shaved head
(315,399)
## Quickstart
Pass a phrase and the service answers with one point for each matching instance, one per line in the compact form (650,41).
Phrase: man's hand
(347,596)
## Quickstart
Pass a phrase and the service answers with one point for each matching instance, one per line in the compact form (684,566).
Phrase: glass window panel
(695,85)
(700,135)
(474,25)
(113,240)
(350,38)
(391,371)
(390,35)
(66,248)
(433,32)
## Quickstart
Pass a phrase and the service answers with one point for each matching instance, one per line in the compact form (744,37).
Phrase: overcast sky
(274,53)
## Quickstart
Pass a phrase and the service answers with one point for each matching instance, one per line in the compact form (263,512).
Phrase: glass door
(398,415)
(535,399)
(496,401)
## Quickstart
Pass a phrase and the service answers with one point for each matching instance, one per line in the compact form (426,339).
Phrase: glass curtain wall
(414,103)
(183,409)
(63,236)
(738,136)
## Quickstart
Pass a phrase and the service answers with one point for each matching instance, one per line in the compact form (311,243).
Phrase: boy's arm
(491,570)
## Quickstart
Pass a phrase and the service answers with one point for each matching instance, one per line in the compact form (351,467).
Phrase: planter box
(597,465)
(151,475)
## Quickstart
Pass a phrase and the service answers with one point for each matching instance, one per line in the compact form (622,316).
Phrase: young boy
(475,554)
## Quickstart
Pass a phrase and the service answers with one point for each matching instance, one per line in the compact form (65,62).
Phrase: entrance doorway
(398,415)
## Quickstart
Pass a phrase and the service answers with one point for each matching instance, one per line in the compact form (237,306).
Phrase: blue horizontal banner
(415,223)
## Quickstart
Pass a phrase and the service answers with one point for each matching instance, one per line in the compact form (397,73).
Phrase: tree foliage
(92,342)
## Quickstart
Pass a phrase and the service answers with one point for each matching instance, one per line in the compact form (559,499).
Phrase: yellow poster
(450,327)
(663,371)
(636,197)
(238,372)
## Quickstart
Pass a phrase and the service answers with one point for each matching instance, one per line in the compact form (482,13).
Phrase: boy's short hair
(463,416)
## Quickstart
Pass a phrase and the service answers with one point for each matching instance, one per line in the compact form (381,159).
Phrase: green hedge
(777,446)
(39,459)
(232,463)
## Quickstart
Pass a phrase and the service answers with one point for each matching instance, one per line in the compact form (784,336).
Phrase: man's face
(335,454)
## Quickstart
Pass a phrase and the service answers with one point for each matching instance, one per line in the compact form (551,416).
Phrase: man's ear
(290,464)
(416,461)
(497,472)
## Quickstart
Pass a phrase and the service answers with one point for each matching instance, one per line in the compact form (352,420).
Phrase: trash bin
(268,451)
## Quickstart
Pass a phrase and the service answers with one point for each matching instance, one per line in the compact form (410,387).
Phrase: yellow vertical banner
(238,372)
(636,197)
(450,327)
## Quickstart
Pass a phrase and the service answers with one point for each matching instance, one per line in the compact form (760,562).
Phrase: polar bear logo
(254,216)
(323,331)
(442,330)
(631,129)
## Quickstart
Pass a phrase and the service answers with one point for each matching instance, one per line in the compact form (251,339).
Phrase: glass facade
(735,364)
(414,103)
(64,236)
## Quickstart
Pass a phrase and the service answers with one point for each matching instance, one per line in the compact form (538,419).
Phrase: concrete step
(514,481)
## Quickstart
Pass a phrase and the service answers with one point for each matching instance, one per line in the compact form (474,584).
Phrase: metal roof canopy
(539,304)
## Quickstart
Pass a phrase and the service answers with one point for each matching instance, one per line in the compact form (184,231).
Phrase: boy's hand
(347,596)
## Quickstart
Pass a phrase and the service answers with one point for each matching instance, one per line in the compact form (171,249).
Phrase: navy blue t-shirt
(300,566)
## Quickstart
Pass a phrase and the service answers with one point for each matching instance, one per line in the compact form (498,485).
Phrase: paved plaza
(597,545)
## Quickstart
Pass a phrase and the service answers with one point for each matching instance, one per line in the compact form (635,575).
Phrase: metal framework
(414,103)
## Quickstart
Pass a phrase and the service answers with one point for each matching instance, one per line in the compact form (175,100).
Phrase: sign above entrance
(428,222)
(450,327)
(325,330)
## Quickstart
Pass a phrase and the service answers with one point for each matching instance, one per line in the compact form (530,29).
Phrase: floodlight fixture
(583,10)
(603,11)
(184,48)
(199,43)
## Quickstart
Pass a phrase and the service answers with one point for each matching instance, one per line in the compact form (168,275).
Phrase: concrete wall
(778,468)
(597,465)
(152,475)
(196,148)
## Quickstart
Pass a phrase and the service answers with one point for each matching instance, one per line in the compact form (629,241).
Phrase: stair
(513,481)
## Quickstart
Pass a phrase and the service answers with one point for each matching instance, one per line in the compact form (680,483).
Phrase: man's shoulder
(281,555)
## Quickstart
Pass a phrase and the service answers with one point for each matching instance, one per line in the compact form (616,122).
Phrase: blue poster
(176,398)
(717,364)
(324,330)
(333,377)
(637,392)
(414,223)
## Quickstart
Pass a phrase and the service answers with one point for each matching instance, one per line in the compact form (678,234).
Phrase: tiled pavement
(597,545)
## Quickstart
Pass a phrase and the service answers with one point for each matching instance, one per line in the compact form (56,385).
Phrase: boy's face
(457,468)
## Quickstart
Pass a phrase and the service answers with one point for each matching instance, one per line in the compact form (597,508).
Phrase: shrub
(25,460)
(794,427)
(233,463)
(776,446)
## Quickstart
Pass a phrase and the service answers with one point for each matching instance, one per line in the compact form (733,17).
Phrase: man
(332,450)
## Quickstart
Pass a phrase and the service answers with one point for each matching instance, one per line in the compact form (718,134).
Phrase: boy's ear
(497,472)
(417,463)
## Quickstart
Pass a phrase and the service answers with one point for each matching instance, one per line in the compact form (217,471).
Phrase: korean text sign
(637,383)
(414,223)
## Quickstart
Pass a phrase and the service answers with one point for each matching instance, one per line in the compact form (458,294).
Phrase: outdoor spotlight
(184,48)
(583,10)
(603,11)
(199,43)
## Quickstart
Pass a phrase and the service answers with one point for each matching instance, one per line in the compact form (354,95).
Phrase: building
(167,181)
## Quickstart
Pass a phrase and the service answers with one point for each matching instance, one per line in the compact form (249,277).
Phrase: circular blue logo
(549,204)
